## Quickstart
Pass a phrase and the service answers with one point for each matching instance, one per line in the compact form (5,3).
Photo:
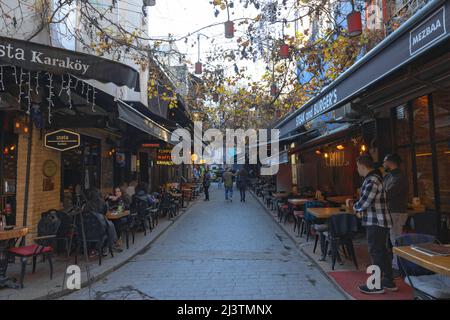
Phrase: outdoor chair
(426,284)
(341,230)
(60,221)
(309,219)
(47,231)
(140,216)
(95,234)
(299,215)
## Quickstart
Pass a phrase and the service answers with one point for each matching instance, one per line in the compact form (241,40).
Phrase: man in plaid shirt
(376,218)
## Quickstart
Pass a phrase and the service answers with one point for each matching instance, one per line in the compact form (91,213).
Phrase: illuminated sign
(62,140)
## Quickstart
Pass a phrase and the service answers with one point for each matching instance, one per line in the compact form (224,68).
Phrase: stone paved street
(218,250)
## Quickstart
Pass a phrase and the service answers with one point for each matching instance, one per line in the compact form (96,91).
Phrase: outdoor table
(7,239)
(114,215)
(438,264)
(280,195)
(339,199)
(325,213)
(298,202)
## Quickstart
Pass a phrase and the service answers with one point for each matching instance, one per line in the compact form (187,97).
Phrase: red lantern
(198,67)
(229,29)
(284,51)
(354,23)
(273,90)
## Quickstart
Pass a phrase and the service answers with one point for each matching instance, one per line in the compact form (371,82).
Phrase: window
(441,101)
(425,183)
(407,168)
(443,159)
(402,131)
(421,120)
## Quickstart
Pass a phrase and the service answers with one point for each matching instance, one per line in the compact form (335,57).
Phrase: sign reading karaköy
(427,32)
(37,57)
(62,140)
(317,108)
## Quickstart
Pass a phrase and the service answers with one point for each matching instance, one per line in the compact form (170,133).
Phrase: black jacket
(396,185)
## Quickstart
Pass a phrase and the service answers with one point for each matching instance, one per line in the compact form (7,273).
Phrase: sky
(180,17)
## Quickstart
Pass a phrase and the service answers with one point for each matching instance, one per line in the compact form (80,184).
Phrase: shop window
(425,185)
(441,102)
(421,119)
(443,158)
(407,168)
(402,131)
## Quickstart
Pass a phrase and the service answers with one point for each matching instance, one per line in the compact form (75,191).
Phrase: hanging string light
(29,93)
(2,86)
(50,96)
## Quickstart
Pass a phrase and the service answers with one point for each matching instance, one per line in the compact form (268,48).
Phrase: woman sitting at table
(97,206)
(119,198)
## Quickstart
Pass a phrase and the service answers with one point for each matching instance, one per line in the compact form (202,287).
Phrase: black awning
(427,29)
(138,120)
(37,57)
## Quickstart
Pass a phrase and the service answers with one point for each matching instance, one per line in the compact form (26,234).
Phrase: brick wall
(38,200)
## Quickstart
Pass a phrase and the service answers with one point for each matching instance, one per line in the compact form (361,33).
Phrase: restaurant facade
(59,132)
(395,99)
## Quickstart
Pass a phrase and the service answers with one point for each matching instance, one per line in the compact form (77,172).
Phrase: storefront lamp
(318,152)
(340,147)
(25,129)
(363,148)
(326,155)
(194,157)
(12,148)
(17,125)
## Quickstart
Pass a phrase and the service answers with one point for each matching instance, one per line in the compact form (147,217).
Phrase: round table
(8,239)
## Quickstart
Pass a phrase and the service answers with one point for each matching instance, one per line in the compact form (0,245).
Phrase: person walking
(206,183)
(228,184)
(243,181)
(372,207)
(220,177)
(396,186)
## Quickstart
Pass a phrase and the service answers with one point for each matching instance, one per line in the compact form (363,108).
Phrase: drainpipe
(27,178)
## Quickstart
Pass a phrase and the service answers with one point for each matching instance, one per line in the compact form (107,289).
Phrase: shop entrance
(8,169)
(80,167)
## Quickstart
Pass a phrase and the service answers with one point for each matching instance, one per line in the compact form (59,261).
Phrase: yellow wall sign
(164,157)
(62,140)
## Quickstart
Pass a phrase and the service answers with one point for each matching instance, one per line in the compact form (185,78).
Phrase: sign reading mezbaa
(62,140)
(37,57)
(427,32)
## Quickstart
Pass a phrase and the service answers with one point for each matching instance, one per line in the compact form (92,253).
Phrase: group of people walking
(227,178)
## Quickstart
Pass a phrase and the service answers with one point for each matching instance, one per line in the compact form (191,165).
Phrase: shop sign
(37,57)
(324,104)
(427,32)
(164,157)
(62,140)
(150,145)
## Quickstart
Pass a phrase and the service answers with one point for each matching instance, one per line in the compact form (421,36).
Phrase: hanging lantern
(229,29)
(284,51)
(198,67)
(149,3)
(354,23)
(215,97)
(273,90)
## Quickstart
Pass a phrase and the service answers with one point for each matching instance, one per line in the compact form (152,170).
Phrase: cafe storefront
(43,92)
(395,99)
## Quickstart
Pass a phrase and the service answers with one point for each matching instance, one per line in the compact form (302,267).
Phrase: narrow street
(218,250)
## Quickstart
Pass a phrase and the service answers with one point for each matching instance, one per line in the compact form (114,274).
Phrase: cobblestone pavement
(218,250)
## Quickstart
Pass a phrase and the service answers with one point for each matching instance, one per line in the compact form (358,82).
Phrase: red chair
(33,251)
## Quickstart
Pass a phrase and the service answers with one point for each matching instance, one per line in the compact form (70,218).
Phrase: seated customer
(96,205)
(142,193)
(119,198)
